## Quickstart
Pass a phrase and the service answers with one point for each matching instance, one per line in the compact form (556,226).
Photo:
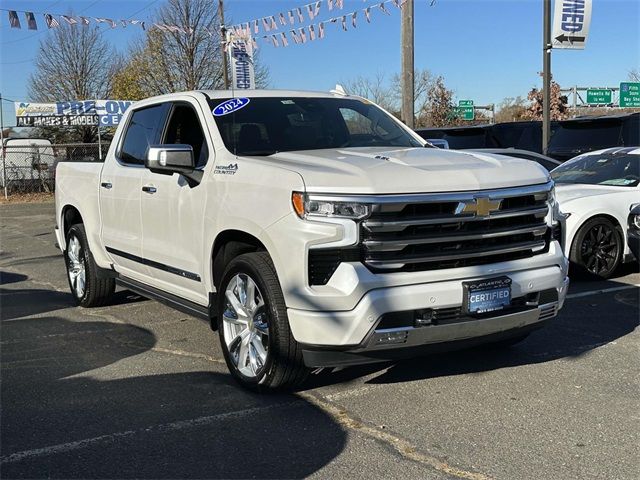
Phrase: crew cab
(312,230)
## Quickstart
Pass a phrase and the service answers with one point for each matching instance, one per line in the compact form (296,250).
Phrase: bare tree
(376,89)
(512,110)
(186,58)
(634,75)
(438,109)
(73,62)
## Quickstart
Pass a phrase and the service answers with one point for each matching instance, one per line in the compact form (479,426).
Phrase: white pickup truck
(311,230)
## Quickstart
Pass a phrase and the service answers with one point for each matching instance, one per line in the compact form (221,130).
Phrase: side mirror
(170,159)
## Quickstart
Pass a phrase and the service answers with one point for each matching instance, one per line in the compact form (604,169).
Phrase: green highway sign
(598,96)
(465,103)
(630,94)
(465,113)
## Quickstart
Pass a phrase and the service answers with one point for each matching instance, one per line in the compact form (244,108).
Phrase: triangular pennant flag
(256,27)
(283,38)
(321,30)
(85,20)
(300,17)
(159,26)
(340,4)
(254,43)
(330,4)
(266,25)
(316,10)
(69,20)
(50,21)
(124,23)
(312,33)
(274,40)
(296,37)
(310,11)
(14,21)
(353,19)
(303,35)
(274,25)
(396,3)
(292,19)
(383,8)
(344,22)
(283,20)
(367,14)
(31,20)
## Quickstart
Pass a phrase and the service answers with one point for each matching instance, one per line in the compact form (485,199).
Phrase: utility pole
(223,35)
(2,150)
(546,75)
(407,41)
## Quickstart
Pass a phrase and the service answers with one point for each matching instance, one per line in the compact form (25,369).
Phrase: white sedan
(595,191)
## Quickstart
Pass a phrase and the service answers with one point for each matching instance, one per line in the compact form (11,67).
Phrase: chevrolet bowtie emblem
(480,206)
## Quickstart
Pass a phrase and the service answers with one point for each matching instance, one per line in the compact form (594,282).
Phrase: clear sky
(486,49)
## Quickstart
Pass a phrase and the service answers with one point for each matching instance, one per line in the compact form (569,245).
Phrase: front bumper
(354,329)
(633,239)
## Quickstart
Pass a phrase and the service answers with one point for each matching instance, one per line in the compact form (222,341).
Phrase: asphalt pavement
(138,390)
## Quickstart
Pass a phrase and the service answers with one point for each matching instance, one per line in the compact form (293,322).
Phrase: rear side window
(144,129)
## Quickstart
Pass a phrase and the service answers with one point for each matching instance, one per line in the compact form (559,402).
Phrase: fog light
(423,317)
(386,338)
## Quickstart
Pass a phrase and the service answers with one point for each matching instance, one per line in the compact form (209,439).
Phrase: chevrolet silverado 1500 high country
(311,230)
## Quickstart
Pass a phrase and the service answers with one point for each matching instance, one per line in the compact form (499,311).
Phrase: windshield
(621,170)
(267,125)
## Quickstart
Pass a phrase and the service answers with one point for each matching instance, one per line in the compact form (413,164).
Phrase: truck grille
(429,232)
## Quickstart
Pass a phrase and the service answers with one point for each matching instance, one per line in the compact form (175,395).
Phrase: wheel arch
(228,245)
(593,216)
(69,215)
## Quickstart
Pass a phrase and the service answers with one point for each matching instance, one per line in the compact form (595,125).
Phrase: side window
(144,129)
(185,128)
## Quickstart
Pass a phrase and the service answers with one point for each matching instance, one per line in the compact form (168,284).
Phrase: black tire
(283,368)
(597,248)
(96,290)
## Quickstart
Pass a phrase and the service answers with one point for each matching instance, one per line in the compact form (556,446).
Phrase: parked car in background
(546,162)
(27,164)
(595,191)
(478,136)
(582,135)
(633,234)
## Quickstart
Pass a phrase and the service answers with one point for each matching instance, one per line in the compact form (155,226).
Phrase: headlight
(318,207)
(634,217)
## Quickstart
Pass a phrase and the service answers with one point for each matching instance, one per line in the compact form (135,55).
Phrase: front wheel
(597,248)
(88,289)
(256,340)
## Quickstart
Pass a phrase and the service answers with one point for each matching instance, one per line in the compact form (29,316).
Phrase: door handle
(149,189)
(106,185)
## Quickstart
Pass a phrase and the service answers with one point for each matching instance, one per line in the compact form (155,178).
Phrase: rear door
(121,189)
(173,212)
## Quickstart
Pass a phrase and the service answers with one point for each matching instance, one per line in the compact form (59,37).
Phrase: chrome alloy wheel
(246,328)
(76,267)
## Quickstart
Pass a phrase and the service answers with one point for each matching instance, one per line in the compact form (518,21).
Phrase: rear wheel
(88,289)
(597,248)
(256,340)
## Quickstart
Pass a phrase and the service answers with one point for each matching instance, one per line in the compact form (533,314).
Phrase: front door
(173,212)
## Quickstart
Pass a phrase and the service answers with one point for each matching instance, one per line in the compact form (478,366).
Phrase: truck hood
(374,170)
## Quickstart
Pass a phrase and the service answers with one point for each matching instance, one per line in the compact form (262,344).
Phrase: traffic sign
(465,113)
(598,96)
(571,20)
(630,94)
(465,103)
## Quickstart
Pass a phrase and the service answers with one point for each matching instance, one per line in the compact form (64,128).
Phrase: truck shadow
(584,324)
(67,381)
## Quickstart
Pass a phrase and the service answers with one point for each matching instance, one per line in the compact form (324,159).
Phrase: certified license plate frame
(496,291)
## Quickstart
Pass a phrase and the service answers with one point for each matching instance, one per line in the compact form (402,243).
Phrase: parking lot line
(173,426)
(602,290)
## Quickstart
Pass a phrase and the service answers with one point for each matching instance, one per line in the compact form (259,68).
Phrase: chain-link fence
(30,168)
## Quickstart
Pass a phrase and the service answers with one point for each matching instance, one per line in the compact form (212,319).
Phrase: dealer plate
(483,296)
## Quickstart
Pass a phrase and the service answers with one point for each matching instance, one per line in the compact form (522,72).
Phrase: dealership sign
(571,22)
(104,113)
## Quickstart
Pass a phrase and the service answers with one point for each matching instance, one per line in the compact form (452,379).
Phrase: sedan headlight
(634,217)
(316,206)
